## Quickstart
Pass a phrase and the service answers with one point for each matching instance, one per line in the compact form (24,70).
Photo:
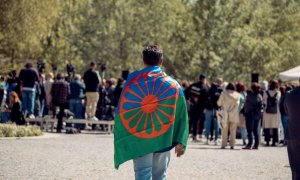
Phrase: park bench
(44,122)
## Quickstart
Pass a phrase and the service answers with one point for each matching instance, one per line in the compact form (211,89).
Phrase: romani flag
(151,115)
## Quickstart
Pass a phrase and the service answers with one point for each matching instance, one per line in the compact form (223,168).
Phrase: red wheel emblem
(147,107)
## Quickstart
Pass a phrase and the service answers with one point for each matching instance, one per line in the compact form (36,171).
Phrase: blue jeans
(153,164)
(209,117)
(42,108)
(244,134)
(76,107)
(284,121)
(4,117)
(28,98)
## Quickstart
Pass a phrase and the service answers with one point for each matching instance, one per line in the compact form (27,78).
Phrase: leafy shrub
(12,130)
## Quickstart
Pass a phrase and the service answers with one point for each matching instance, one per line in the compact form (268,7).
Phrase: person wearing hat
(197,94)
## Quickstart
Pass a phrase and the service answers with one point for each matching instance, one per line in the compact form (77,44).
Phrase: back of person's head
(59,76)
(109,82)
(240,87)
(273,85)
(28,65)
(231,87)
(152,55)
(14,97)
(184,83)
(255,88)
(120,82)
(77,77)
(202,77)
(93,65)
(282,90)
(49,76)
(219,81)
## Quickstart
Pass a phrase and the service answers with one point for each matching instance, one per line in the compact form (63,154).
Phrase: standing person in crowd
(48,85)
(184,85)
(211,107)
(118,91)
(284,116)
(252,110)
(197,94)
(28,76)
(150,145)
(292,104)
(3,105)
(271,116)
(229,101)
(76,99)
(37,104)
(60,92)
(92,81)
(42,97)
(109,99)
(240,88)
(15,109)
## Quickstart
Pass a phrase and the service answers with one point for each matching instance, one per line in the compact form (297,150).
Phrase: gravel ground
(90,156)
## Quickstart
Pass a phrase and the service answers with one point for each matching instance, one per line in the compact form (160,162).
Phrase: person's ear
(161,62)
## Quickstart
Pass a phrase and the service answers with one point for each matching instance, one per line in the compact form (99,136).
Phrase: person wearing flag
(151,119)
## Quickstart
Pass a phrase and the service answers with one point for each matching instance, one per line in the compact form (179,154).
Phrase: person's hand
(179,150)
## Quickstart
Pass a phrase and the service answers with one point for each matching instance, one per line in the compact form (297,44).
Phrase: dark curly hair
(152,55)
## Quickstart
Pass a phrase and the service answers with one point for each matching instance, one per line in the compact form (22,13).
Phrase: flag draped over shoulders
(151,115)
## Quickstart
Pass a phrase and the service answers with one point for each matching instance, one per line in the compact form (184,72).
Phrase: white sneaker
(216,143)
(207,143)
(94,118)
(31,116)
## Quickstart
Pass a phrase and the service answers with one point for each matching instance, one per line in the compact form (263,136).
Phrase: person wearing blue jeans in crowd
(77,89)
(240,88)
(210,113)
(28,76)
(284,116)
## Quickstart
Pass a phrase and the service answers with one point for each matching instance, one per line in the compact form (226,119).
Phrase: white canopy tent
(290,75)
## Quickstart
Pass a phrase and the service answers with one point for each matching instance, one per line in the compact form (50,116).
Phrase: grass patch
(12,130)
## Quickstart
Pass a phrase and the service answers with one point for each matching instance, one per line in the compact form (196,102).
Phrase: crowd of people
(217,109)
(222,109)
(35,95)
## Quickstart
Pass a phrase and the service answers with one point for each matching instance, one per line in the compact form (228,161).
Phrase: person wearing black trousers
(292,104)
(252,111)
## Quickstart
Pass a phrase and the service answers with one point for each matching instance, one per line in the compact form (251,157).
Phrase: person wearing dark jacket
(16,114)
(252,111)
(28,76)
(60,92)
(197,95)
(210,113)
(76,99)
(292,104)
(92,81)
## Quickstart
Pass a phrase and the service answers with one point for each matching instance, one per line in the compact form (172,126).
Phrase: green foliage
(229,39)
(12,130)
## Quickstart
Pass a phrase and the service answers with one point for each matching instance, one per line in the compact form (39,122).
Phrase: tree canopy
(229,39)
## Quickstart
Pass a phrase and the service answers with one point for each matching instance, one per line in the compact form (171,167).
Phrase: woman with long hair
(15,109)
(271,117)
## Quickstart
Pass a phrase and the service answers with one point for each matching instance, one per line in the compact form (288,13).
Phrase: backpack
(272,104)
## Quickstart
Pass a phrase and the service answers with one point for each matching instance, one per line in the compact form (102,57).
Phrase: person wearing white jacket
(229,101)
